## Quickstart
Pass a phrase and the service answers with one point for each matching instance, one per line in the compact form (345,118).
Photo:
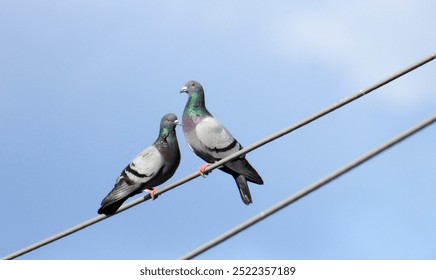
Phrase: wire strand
(223,161)
(302,193)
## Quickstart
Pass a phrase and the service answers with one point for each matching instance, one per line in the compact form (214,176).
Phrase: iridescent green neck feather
(168,134)
(195,105)
(164,132)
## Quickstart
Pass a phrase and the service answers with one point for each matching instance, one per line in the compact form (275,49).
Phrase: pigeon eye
(193,84)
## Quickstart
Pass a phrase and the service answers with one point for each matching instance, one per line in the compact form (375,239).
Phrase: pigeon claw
(152,193)
(203,171)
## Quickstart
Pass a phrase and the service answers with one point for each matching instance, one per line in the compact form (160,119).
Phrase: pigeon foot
(152,193)
(202,169)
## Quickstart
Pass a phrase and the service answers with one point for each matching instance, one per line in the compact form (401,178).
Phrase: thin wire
(308,190)
(221,162)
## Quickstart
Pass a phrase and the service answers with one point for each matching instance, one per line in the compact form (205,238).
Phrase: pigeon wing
(215,141)
(134,177)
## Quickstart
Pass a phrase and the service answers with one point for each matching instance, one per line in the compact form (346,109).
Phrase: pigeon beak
(177,122)
(184,89)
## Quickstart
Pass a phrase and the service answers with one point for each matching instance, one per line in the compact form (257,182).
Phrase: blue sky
(83,85)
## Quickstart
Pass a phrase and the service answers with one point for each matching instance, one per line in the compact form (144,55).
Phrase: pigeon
(152,167)
(211,141)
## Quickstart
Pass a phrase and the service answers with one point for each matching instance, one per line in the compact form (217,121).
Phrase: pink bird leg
(202,169)
(151,192)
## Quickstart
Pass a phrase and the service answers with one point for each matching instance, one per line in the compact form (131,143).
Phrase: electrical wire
(302,193)
(223,161)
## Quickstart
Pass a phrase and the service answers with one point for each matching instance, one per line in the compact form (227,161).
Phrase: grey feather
(211,141)
(152,167)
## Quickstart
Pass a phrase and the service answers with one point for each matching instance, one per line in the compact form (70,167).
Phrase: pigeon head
(169,121)
(192,87)
(167,133)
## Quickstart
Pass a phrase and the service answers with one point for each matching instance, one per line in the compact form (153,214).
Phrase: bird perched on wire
(211,141)
(152,167)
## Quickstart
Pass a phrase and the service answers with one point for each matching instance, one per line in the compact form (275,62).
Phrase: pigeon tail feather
(110,208)
(117,196)
(243,167)
(244,191)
